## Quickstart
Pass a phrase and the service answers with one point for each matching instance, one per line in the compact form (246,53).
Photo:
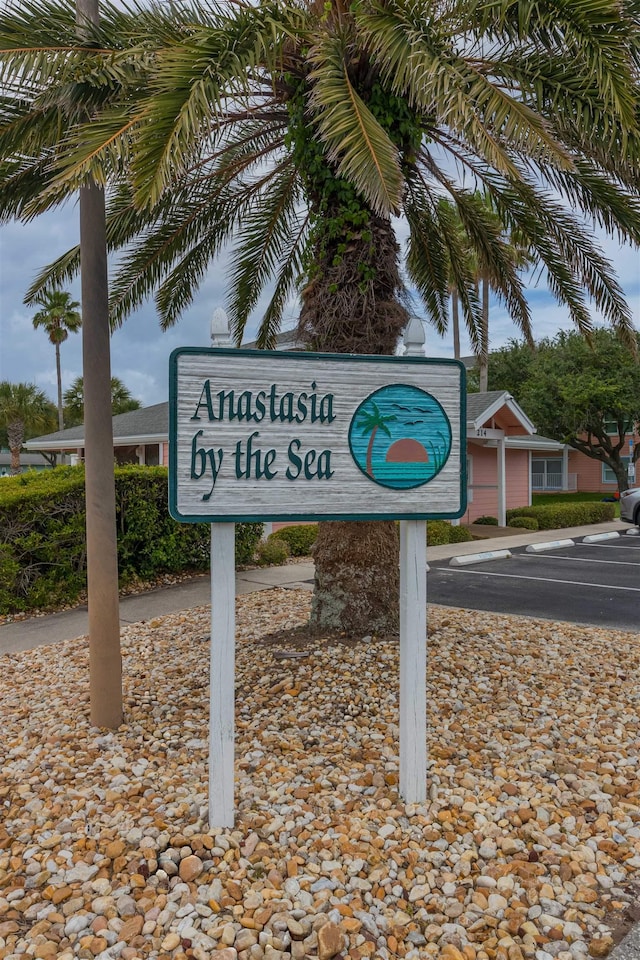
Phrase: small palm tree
(370,421)
(23,408)
(121,400)
(59,316)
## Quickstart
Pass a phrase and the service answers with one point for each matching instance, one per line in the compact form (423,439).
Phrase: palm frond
(592,35)
(421,62)
(263,243)
(426,261)
(212,71)
(290,272)
(356,144)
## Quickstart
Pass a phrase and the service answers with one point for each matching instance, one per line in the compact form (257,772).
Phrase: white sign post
(413,634)
(260,435)
(222,660)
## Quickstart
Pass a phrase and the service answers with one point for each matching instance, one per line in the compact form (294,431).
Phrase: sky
(140,350)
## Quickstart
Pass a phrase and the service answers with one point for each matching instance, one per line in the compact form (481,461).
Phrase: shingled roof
(146,425)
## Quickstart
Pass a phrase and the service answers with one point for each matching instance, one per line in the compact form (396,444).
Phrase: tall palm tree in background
(297,132)
(121,400)
(483,282)
(522,258)
(59,316)
(24,410)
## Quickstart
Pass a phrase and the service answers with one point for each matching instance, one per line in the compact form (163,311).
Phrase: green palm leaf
(355,142)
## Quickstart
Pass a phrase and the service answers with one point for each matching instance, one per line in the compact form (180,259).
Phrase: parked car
(630,506)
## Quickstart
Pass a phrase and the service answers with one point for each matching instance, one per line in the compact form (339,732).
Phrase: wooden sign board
(268,435)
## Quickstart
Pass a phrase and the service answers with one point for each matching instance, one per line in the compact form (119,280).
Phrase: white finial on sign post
(414,338)
(413,632)
(220,336)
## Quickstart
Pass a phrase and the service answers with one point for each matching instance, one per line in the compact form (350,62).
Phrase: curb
(597,537)
(629,948)
(549,545)
(479,557)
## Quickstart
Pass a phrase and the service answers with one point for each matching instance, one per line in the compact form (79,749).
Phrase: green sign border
(294,355)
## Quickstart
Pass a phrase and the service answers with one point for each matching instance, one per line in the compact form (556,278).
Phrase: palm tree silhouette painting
(370,421)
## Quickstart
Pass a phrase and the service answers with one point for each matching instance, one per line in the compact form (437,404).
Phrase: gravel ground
(529,845)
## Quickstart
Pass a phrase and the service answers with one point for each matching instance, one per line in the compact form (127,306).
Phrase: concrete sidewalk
(68,624)
(196,592)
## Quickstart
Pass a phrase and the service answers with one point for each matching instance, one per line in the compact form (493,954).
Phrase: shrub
(42,532)
(441,531)
(527,523)
(487,521)
(437,532)
(555,516)
(247,537)
(460,535)
(271,552)
(299,539)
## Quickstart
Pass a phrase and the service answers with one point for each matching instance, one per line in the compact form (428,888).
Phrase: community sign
(268,435)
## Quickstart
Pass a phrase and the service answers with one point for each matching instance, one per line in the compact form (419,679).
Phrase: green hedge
(299,539)
(42,535)
(555,516)
(441,531)
(526,523)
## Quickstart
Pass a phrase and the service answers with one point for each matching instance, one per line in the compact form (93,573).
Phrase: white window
(546,473)
(608,476)
(611,427)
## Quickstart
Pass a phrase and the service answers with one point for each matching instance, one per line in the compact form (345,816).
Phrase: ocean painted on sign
(400,437)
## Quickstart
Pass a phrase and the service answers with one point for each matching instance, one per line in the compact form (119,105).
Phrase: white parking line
(515,576)
(611,546)
(574,559)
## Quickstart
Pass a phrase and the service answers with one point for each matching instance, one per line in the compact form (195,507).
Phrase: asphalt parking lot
(590,583)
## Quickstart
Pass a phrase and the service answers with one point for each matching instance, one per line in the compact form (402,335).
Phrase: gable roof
(482,406)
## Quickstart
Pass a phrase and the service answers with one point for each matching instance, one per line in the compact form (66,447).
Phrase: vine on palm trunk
(352,299)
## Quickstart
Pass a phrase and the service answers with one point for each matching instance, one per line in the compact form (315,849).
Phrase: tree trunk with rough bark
(59,378)
(455,322)
(622,476)
(483,359)
(352,305)
(15,438)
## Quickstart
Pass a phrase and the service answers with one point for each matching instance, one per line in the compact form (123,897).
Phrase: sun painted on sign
(400,437)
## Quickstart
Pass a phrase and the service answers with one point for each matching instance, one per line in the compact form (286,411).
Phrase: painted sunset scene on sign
(400,437)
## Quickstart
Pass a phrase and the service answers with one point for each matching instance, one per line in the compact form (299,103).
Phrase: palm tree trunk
(15,436)
(105,662)
(455,318)
(59,376)
(357,581)
(483,360)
